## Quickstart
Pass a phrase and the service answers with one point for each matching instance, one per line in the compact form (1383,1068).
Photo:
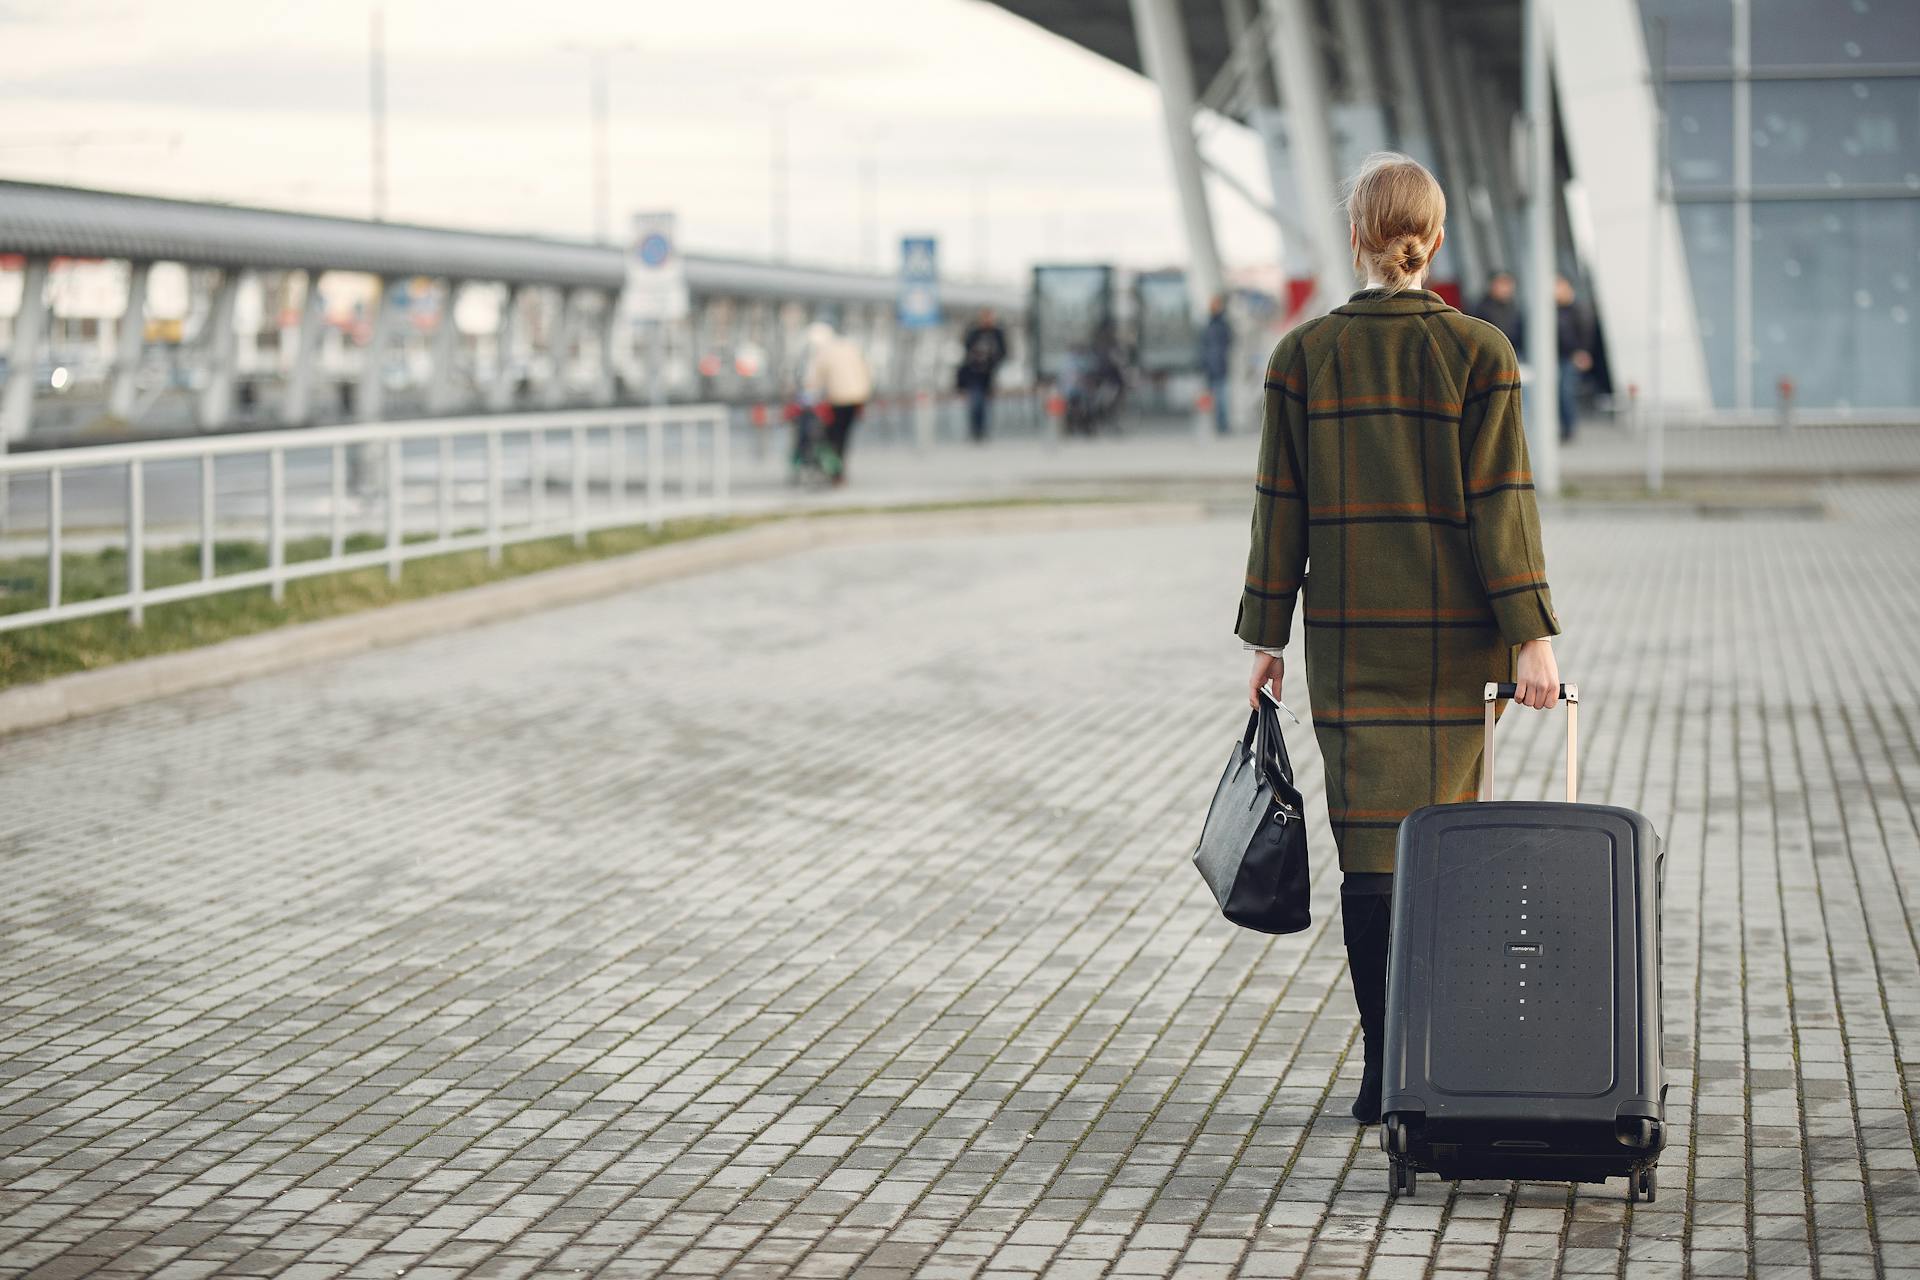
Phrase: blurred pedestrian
(1216,353)
(1576,352)
(837,377)
(984,349)
(1499,307)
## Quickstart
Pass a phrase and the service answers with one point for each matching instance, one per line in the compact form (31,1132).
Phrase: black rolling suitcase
(1523,989)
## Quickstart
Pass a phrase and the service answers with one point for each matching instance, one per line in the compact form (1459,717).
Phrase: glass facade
(1793,147)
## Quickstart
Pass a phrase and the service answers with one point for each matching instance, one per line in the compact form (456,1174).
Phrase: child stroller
(813,462)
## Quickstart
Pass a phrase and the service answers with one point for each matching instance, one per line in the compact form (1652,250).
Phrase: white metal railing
(366,480)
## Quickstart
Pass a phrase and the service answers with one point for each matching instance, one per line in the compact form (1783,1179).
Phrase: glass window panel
(1707,232)
(1834,132)
(1699,33)
(1700,134)
(1835,302)
(1799,33)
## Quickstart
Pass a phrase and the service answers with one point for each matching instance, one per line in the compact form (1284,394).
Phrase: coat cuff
(1266,621)
(1526,615)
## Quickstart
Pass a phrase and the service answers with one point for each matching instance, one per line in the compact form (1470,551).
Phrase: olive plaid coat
(1394,493)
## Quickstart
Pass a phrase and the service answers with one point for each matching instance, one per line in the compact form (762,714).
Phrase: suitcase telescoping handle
(1571,694)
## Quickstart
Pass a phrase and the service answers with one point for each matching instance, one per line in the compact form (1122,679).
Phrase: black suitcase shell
(1523,996)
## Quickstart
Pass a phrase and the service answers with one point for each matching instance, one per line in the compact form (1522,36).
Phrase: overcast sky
(963,109)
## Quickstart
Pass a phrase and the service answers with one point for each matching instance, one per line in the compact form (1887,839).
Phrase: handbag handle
(1256,743)
(1271,752)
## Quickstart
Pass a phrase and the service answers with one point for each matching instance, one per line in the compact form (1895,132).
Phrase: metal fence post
(136,542)
(277,523)
(395,496)
(579,500)
(722,462)
(537,474)
(207,493)
(656,466)
(493,497)
(53,538)
(617,468)
(446,487)
(338,502)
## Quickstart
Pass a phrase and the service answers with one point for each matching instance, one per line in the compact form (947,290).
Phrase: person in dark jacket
(1575,337)
(984,349)
(1500,308)
(1393,465)
(1216,354)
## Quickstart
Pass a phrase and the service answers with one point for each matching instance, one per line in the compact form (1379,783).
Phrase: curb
(85,693)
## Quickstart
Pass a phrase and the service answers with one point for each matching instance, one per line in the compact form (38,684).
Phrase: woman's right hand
(1266,666)
(1536,676)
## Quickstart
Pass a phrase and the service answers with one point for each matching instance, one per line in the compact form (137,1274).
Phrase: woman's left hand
(1266,666)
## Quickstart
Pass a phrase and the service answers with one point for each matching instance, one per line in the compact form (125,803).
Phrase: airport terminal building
(1737,186)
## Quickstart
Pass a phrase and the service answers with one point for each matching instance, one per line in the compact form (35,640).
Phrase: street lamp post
(598,58)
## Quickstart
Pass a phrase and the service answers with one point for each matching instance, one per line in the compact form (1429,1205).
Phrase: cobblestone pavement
(832,915)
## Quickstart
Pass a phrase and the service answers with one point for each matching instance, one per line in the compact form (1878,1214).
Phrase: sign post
(918,308)
(656,292)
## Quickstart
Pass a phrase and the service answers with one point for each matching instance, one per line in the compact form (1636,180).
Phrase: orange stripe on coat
(1386,508)
(1352,403)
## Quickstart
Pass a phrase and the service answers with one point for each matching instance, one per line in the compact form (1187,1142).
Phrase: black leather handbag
(1253,849)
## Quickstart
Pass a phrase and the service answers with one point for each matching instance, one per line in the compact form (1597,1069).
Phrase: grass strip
(85,644)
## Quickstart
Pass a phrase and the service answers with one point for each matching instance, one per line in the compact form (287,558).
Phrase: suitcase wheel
(1395,1134)
(1402,1176)
(1644,1185)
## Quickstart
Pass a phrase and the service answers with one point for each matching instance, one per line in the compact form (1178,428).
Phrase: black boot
(1366,919)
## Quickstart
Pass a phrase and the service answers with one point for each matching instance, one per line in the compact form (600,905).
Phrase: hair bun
(1407,255)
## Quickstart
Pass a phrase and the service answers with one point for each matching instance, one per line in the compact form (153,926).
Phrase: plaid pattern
(1394,466)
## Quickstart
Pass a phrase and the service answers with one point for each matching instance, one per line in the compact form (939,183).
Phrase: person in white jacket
(838,378)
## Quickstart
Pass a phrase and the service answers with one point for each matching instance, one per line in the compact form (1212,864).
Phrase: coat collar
(1378,302)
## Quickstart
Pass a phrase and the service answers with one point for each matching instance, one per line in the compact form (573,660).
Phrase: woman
(1393,467)
(838,378)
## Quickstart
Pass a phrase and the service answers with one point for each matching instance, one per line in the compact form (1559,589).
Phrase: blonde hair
(1396,209)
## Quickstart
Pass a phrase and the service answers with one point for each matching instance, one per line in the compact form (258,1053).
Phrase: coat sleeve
(1277,559)
(1502,516)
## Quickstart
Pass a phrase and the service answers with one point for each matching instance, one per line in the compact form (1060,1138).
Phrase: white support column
(1611,123)
(372,403)
(506,340)
(612,322)
(1413,123)
(217,345)
(1457,172)
(1355,31)
(1412,128)
(1743,348)
(553,393)
(1295,43)
(296,407)
(1463,76)
(446,350)
(778,348)
(1163,53)
(1359,124)
(1494,118)
(23,368)
(1543,402)
(1250,50)
(129,342)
